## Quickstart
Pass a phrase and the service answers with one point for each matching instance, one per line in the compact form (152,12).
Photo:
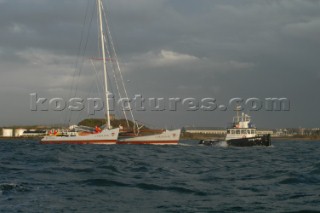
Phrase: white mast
(99,4)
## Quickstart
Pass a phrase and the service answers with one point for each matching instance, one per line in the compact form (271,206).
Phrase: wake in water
(221,144)
(185,144)
(216,144)
(11,187)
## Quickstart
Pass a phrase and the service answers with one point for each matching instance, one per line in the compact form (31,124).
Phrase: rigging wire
(69,117)
(114,63)
(97,78)
(117,86)
(118,68)
(67,121)
(89,94)
(77,59)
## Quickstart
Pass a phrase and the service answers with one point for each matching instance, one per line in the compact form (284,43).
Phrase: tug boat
(242,133)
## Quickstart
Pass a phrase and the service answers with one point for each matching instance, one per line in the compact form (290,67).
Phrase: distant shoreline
(221,137)
(297,138)
(192,138)
(15,138)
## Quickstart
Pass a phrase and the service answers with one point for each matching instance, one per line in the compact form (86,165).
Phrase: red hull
(149,142)
(80,142)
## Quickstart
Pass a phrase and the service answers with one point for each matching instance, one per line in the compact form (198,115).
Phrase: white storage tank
(7,132)
(19,132)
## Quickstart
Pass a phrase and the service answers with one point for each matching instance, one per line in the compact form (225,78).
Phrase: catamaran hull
(165,138)
(107,137)
(142,142)
(106,142)
(264,140)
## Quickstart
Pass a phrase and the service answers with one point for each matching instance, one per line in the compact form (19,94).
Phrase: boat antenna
(237,109)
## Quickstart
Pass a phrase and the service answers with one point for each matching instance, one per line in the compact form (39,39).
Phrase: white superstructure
(241,128)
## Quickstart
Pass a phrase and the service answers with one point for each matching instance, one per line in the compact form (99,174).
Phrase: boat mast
(99,4)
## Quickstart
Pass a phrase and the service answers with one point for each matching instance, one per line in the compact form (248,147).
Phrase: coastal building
(34,133)
(7,132)
(206,130)
(281,132)
(265,132)
(19,132)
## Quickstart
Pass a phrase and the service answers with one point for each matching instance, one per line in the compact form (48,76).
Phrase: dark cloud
(221,49)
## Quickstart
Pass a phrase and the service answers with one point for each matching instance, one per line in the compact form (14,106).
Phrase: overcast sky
(218,49)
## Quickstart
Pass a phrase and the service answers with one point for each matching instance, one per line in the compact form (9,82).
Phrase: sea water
(145,178)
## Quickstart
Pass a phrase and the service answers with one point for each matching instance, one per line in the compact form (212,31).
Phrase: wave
(102,182)
(13,187)
(176,189)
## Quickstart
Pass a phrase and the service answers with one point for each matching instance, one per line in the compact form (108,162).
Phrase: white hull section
(169,137)
(238,136)
(105,137)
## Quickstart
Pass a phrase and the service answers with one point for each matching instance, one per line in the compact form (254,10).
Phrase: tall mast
(99,4)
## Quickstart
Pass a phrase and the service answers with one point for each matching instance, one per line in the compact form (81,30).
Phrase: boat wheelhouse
(241,128)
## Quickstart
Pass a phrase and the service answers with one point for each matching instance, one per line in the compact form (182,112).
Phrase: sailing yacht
(133,133)
(106,136)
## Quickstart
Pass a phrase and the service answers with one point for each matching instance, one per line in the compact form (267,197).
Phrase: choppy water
(183,178)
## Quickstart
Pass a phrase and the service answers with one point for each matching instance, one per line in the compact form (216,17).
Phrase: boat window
(238,132)
(228,131)
(253,132)
(243,131)
(233,132)
(248,131)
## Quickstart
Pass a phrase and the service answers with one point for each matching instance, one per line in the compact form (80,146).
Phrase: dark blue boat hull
(264,140)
